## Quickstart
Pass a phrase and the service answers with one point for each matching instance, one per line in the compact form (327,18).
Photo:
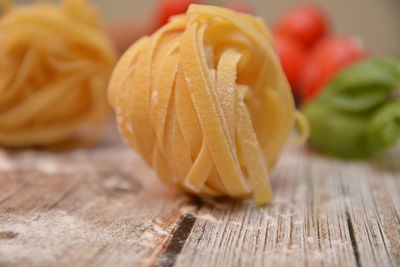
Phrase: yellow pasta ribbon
(205,102)
(55,62)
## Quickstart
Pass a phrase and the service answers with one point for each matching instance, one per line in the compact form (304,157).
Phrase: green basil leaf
(337,133)
(361,98)
(363,86)
(358,114)
(384,128)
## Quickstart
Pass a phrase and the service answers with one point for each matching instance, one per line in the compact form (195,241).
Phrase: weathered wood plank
(325,212)
(97,207)
(102,207)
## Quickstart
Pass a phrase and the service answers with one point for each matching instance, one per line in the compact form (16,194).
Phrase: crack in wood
(179,237)
(68,192)
(381,232)
(383,238)
(8,235)
(12,195)
(350,227)
(353,239)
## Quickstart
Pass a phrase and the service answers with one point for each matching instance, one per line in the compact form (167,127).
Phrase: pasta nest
(205,102)
(55,62)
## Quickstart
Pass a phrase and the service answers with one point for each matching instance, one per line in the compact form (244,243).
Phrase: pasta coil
(55,62)
(205,102)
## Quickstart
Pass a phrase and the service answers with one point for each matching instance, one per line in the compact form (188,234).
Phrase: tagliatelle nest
(205,102)
(55,62)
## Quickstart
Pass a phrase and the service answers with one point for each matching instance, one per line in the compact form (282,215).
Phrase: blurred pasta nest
(55,62)
(205,102)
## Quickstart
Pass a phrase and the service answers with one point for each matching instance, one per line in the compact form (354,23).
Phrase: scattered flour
(6,164)
(48,166)
(187,209)
(116,182)
(43,237)
(310,239)
(119,119)
(129,127)
(207,217)
(147,235)
(201,215)
(188,81)
(154,97)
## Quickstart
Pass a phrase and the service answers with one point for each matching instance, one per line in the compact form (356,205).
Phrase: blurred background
(377,22)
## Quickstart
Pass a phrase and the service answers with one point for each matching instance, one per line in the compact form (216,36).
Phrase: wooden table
(103,207)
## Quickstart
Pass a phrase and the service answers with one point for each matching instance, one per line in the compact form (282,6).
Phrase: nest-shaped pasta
(55,62)
(205,102)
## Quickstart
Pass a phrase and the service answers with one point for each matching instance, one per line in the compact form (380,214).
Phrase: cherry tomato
(238,7)
(168,8)
(305,23)
(327,58)
(292,56)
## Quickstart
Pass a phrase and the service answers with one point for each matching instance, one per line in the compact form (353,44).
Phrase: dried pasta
(55,62)
(205,102)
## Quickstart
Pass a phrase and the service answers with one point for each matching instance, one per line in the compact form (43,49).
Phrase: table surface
(104,207)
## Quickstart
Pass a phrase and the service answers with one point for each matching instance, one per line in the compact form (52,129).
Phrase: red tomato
(238,7)
(305,23)
(326,60)
(168,8)
(292,56)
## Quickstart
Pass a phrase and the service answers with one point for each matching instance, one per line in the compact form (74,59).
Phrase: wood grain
(104,207)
